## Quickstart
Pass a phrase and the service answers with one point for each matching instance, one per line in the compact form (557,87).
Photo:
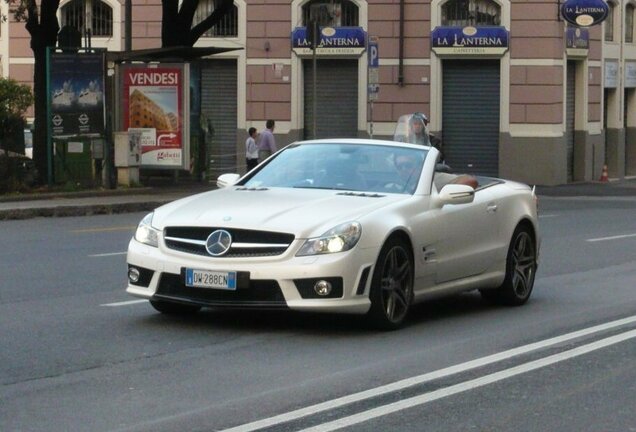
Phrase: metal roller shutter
(570,110)
(337,100)
(470,120)
(218,103)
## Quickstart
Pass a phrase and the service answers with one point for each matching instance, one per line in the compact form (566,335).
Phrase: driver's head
(405,165)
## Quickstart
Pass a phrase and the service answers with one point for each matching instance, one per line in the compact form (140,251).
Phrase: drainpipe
(401,53)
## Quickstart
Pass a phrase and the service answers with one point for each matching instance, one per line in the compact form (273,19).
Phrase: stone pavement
(145,199)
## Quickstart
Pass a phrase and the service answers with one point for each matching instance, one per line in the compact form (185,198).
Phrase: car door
(468,237)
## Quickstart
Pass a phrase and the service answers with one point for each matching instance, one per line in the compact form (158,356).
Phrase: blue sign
(584,13)
(469,37)
(334,38)
(578,38)
(373,54)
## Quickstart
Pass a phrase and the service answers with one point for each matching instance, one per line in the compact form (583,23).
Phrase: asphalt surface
(111,201)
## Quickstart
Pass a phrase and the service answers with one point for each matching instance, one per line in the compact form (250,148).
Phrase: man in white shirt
(251,150)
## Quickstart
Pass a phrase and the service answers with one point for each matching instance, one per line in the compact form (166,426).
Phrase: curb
(79,210)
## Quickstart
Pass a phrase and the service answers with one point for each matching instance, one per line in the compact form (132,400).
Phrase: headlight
(338,239)
(145,233)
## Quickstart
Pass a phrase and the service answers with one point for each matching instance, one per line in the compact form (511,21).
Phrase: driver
(408,167)
(417,129)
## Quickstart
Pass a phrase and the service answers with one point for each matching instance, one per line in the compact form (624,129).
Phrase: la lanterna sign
(470,40)
(333,41)
(584,13)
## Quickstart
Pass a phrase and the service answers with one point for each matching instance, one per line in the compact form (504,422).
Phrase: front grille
(250,293)
(245,243)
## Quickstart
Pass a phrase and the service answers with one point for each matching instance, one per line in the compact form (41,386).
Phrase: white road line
(413,381)
(125,303)
(469,385)
(611,238)
(547,216)
(107,254)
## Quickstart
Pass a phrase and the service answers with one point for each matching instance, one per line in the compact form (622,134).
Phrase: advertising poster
(153,103)
(76,86)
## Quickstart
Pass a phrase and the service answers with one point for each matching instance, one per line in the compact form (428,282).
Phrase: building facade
(508,86)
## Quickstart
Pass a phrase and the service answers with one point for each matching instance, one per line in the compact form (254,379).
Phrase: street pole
(128,26)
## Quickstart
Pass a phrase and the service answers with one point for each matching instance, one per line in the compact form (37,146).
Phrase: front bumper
(273,282)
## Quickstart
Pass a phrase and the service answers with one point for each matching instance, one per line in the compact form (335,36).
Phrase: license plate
(210,279)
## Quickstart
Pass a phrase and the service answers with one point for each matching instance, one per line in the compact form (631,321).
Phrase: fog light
(133,275)
(322,288)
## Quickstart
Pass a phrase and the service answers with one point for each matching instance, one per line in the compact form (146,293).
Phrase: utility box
(72,161)
(127,157)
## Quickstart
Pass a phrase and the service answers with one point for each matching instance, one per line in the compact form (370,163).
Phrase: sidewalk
(94,202)
(145,199)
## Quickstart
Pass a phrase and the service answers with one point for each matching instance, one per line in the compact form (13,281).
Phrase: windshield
(411,128)
(355,167)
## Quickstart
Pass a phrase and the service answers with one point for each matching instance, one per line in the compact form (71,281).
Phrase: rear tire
(391,292)
(521,266)
(171,308)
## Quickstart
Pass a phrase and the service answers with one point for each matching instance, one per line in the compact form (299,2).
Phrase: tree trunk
(40,144)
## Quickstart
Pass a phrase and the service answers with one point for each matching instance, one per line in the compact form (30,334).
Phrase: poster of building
(76,93)
(153,101)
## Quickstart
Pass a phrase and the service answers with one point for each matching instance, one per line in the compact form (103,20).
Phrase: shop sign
(630,74)
(76,92)
(333,41)
(611,74)
(153,105)
(584,13)
(470,40)
(577,41)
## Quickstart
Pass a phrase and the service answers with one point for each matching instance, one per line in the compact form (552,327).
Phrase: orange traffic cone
(604,177)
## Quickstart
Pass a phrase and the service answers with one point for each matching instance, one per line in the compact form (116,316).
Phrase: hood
(303,212)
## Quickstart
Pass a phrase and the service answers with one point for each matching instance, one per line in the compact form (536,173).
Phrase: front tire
(171,308)
(521,266)
(392,285)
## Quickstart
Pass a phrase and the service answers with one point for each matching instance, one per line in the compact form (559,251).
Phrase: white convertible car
(341,225)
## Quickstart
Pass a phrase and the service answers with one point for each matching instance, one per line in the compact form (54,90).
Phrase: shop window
(331,13)
(89,15)
(227,27)
(609,23)
(471,13)
(629,23)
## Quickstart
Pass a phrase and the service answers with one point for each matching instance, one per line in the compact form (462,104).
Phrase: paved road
(78,354)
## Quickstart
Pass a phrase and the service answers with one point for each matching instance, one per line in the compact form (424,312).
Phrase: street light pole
(128,26)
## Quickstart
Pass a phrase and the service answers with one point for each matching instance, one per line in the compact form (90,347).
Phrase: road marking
(547,216)
(124,303)
(93,230)
(107,254)
(471,384)
(611,238)
(430,376)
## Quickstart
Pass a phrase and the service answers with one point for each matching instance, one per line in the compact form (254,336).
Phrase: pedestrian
(433,140)
(251,150)
(266,141)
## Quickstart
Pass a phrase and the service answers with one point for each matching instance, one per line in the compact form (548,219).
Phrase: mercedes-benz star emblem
(218,243)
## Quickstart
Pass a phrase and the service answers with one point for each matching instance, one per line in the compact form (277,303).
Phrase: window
(227,27)
(609,23)
(629,23)
(471,13)
(331,13)
(93,15)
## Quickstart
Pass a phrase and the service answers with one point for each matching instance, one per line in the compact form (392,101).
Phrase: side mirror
(456,194)
(226,180)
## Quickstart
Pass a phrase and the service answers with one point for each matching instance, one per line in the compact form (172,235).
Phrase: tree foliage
(15,98)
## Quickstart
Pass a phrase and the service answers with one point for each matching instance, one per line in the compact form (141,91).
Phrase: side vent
(363,281)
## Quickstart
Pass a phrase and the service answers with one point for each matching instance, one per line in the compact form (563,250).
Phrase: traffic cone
(604,177)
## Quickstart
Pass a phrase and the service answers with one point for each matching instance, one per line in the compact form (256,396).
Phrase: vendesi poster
(153,105)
